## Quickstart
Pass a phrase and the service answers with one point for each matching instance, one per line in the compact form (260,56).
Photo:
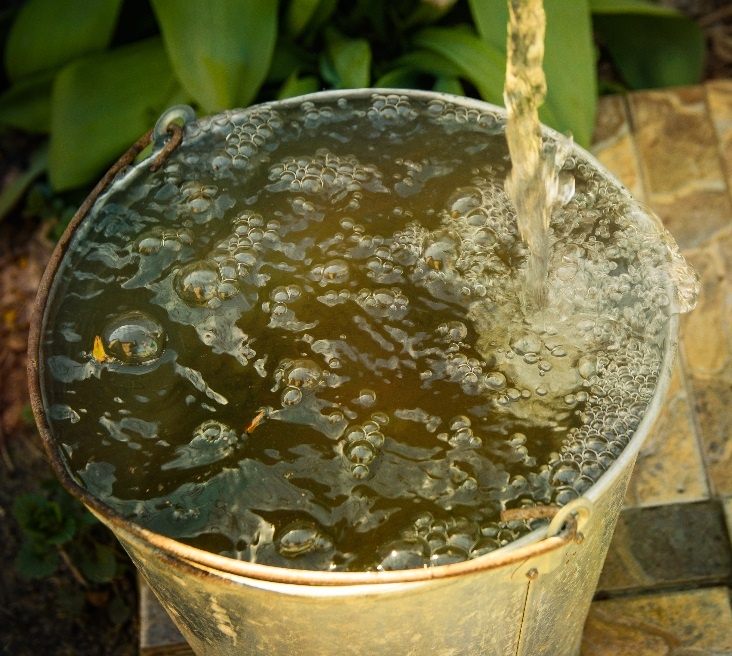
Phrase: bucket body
(528,598)
(528,606)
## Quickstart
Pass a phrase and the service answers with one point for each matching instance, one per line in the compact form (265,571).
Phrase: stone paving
(665,588)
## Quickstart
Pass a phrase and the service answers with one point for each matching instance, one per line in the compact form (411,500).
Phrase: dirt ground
(60,614)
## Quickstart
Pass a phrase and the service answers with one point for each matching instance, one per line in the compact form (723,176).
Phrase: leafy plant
(93,76)
(56,531)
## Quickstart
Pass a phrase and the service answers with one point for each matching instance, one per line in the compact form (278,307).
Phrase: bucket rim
(534,543)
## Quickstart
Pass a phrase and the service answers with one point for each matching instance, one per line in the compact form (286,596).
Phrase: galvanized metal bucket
(528,598)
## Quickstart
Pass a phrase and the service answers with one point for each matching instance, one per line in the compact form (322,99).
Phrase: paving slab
(690,623)
(719,100)
(669,468)
(707,348)
(158,635)
(685,544)
(613,143)
(680,162)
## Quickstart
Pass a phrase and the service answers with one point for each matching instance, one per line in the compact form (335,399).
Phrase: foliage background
(94,76)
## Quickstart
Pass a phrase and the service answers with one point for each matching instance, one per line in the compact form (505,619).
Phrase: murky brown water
(302,343)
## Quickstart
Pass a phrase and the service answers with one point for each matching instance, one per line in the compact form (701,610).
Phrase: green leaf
(630,7)
(14,189)
(220,50)
(350,60)
(27,104)
(491,21)
(478,62)
(42,520)
(34,563)
(288,58)
(445,84)
(569,60)
(320,17)
(653,51)
(50,33)
(99,566)
(298,86)
(101,105)
(26,507)
(64,532)
(426,61)
(299,14)
(428,11)
(399,78)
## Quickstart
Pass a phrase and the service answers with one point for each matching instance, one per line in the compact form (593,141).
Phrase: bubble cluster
(449,114)
(390,109)
(325,174)
(251,134)
(158,238)
(361,447)
(384,302)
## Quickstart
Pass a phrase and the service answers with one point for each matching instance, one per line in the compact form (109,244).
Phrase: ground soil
(58,615)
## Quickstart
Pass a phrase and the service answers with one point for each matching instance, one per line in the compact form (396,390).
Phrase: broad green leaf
(220,50)
(298,86)
(630,7)
(99,566)
(399,78)
(491,21)
(299,13)
(27,104)
(26,508)
(653,51)
(479,63)
(50,33)
(428,11)
(569,60)
(426,61)
(35,563)
(64,532)
(287,59)
(320,17)
(350,60)
(445,84)
(100,105)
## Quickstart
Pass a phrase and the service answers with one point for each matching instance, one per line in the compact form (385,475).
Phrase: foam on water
(302,342)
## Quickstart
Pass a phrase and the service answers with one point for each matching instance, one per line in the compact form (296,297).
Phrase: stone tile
(697,622)
(669,468)
(707,346)
(680,163)
(706,331)
(681,544)
(158,635)
(719,99)
(712,402)
(613,143)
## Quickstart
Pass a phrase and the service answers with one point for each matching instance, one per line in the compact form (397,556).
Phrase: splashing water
(533,184)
